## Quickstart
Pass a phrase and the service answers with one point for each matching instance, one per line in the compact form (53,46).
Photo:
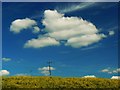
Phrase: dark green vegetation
(57,82)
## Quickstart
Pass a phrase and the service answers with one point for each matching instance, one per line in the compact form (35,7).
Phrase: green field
(57,82)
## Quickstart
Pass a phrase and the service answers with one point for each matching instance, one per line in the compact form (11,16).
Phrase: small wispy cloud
(22,74)
(98,0)
(6,59)
(45,70)
(89,76)
(110,71)
(111,33)
(113,28)
(61,1)
(74,7)
(91,47)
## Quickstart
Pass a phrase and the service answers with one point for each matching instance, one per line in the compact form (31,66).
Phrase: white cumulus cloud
(45,70)
(41,42)
(84,40)
(115,77)
(89,76)
(105,70)
(4,72)
(76,31)
(19,25)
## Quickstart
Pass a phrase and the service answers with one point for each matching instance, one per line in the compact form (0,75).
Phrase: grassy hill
(57,82)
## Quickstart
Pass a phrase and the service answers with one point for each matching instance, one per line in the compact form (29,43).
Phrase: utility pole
(49,67)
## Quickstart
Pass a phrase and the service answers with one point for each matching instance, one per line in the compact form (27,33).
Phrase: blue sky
(28,47)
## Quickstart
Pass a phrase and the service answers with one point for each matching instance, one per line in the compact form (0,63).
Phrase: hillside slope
(57,82)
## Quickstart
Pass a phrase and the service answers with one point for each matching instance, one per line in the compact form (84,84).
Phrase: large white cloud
(45,70)
(76,31)
(22,24)
(55,21)
(4,72)
(41,42)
